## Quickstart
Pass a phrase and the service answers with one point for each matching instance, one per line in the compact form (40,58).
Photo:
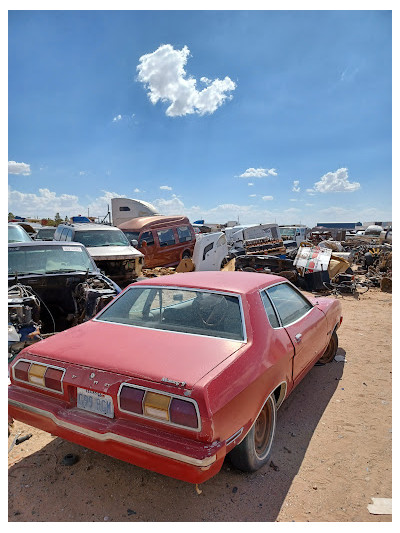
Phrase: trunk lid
(137,352)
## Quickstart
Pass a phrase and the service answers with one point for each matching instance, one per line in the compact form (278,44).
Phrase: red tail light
(52,379)
(21,370)
(183,413)
(131,400)
(160,406)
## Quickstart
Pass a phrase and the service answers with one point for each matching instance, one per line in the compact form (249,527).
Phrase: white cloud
(267,197)
(296,187)
(163,74)
(252,195)
(173,206)
(250,184)
(136,190)
(258,173)
(19,168)
(309,205)
(117,118)
(44,204)
(335,182)
(166,188)
(293,200)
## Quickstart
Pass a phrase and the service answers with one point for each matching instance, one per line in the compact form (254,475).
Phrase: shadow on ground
(100,488)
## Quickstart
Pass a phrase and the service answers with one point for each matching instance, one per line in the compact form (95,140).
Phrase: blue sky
(263,115)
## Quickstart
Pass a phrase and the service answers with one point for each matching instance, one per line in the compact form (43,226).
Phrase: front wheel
(255,449)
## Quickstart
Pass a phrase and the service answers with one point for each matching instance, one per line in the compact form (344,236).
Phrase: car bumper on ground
(162,452)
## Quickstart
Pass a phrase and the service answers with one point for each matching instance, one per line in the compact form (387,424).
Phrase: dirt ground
(331,454)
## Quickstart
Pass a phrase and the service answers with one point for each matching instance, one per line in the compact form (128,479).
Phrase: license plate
(95,402)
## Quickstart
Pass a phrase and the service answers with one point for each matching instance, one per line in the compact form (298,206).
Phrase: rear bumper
(167,454)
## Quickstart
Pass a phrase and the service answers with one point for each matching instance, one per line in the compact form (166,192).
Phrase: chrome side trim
(170,395)
(14,363)
(234,436)
(117,438)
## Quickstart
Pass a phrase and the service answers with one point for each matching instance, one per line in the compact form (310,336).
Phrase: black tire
(330,351)
(249,269)
(186,255)
(255,449)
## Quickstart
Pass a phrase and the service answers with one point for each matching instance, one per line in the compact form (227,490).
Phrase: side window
(221,241)
(166,237)
(57,234)
(290,304)
(124,208)
(148,237)
(69,235)
(207,249)
(273,319)
(64,234)
(184,234)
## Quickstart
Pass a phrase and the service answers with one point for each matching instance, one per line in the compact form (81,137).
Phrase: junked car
(45,233)
(52,286)
(108,246)
(178,371)
(16,233)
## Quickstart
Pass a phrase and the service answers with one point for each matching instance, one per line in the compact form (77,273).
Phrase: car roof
(239,282)
(45,243)
(89,226)
(153,222)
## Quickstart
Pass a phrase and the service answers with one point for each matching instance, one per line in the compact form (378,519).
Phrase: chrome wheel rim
(264,430)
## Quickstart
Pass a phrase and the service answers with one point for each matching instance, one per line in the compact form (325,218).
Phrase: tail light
(183,413)
(36,374)
(21,370)
(130,399)
(154,405)
(53,379)
(39,374)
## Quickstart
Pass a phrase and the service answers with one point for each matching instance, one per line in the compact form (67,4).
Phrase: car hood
(113,252)
(138,352)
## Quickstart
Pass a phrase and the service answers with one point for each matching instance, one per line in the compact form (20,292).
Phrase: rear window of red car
(181,310)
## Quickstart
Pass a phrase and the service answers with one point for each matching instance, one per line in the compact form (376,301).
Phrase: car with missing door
(178,371)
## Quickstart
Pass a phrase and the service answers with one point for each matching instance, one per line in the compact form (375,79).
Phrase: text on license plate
(95,402)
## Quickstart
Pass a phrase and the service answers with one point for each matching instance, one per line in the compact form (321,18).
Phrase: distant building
(339,225)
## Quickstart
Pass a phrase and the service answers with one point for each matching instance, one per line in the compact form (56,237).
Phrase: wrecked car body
(52,286)
(108,246)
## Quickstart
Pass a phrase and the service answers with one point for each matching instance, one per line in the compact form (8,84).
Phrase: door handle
(298,337)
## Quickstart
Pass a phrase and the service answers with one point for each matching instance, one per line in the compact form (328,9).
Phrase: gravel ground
(332,453)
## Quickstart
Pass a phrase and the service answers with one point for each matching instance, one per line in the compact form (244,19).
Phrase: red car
(178,371)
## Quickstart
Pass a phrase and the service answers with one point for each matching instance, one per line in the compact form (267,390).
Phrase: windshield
(45,233)
(132,235)
(17,234)
(288,232)
(44,259)
(181,310)
(99,237)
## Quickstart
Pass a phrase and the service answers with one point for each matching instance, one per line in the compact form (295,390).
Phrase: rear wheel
(330,351)
(186,255)
(255,449)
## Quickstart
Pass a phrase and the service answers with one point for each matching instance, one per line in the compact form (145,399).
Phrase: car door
(305,324)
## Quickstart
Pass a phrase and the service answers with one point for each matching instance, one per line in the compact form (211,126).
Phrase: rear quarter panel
(331,308)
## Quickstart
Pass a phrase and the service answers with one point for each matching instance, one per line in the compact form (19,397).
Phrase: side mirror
(134,243)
